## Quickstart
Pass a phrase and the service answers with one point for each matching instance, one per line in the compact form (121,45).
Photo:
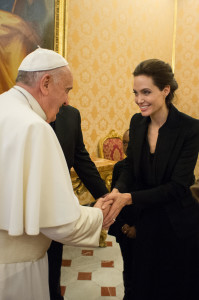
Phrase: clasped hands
(111,205)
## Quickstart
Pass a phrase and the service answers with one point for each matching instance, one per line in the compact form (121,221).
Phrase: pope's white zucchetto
(42,60)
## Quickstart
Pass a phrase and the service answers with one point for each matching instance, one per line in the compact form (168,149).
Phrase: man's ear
(44,84)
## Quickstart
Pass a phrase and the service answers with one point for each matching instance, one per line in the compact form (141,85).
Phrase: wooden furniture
(105,168)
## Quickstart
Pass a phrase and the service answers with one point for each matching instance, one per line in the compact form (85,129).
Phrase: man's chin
(51,119)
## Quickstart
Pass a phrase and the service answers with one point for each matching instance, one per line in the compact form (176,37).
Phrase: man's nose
(66,103)
(66,100)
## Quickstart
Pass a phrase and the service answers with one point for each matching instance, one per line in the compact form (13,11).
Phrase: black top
(147,166)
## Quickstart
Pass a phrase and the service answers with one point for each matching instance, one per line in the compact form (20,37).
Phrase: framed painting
(61,27)
(25,25)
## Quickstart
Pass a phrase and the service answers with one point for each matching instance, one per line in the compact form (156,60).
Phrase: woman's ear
(166,90)
(44,84)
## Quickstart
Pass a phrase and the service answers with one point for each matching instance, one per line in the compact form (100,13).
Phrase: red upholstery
(113,149)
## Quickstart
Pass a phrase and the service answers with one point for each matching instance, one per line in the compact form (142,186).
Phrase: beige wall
(187,59)
(108,38)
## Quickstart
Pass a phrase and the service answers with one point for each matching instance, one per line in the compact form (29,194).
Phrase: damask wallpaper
(187,59)
(108,38)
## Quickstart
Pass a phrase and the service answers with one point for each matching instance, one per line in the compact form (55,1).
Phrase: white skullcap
(42,60)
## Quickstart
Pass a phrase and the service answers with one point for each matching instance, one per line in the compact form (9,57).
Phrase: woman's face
(149,98)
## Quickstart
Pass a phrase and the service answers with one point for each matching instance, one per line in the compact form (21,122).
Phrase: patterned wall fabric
(187,59)
(106,40)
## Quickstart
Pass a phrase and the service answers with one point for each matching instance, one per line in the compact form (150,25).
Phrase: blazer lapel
(138,140)
(168,136)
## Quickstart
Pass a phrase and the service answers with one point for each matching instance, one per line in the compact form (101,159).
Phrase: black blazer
(175,158)
(68,130)
(126,216)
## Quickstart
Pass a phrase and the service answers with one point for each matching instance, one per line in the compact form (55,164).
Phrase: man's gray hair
(31,78)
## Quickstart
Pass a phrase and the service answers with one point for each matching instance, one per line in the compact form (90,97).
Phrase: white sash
(23,248)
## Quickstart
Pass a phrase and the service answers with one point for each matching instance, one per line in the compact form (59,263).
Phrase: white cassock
(37,202)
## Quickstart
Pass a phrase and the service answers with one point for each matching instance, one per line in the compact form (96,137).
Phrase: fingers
(106,199)
(125,228)
(112,196)
(106,227)
(115,208)
(106,211)
(109,212)
(129,231)
(107,203)
(100,203)
(116,201)
(113,213)
(115,191)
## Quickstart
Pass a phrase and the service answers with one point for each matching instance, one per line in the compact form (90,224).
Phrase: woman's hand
(119,201)
(129,231)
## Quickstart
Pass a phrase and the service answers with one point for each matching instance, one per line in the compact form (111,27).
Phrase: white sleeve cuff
(85,231)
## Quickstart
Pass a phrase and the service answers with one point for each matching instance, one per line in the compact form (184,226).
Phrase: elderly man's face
(59,88)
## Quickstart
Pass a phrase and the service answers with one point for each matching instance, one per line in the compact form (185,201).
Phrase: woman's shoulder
(188,118)
(178,119)
(137,118)
(187,121)
(188,127)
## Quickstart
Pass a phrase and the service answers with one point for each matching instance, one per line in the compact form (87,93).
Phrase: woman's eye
(146,92)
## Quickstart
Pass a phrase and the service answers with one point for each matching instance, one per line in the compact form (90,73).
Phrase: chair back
(111,146)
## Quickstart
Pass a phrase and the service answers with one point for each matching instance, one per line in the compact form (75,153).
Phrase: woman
(161,157)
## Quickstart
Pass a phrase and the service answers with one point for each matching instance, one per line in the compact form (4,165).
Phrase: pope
(37,202)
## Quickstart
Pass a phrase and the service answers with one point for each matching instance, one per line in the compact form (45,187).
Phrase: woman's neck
(160,117)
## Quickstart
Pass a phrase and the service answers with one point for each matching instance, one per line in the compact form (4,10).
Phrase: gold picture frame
(61,27)
(25,25)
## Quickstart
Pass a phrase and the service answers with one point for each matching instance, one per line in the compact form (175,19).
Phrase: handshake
(111,205)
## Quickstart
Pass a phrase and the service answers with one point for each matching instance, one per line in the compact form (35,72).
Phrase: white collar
(32,102)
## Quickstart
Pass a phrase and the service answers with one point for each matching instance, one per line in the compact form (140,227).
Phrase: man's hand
(99,203)
(119,201)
